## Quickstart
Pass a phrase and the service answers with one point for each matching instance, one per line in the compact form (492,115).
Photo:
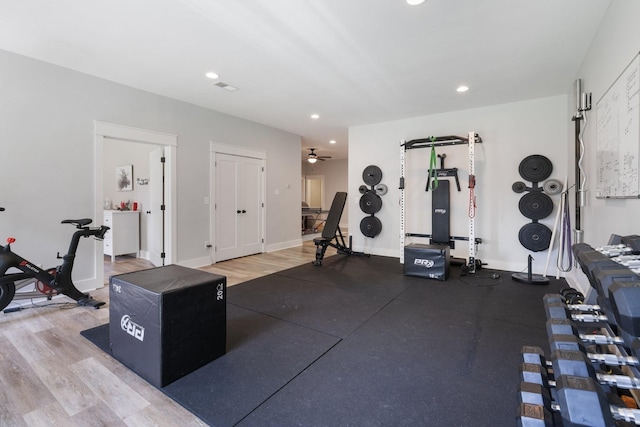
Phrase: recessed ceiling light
(415,2)
(315,116)
(333,141)
(212,75)
(462,88)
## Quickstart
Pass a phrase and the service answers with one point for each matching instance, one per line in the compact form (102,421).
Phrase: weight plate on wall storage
(381,189)
(553,186)
(519,187)
(535,168)
(372,175)
(535,236)
(370,203)
(363,189)
(536,205)
(370,226)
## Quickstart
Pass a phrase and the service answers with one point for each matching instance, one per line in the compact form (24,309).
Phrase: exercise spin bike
(46,282)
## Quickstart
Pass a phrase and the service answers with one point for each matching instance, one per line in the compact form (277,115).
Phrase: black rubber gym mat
(371,275)
(263,355)
(355,342)
(397,370)
(329,309)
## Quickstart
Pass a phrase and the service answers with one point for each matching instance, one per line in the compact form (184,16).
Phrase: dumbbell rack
(623,255)
(612,270)
(536,413)
(440,141)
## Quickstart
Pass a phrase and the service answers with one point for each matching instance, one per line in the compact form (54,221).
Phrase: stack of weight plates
(370,201)
(536,204)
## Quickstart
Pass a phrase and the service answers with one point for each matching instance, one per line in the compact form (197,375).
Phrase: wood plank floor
(50,375)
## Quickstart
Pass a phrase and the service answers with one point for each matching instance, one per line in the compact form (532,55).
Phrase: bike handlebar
(98,232)
(102,231)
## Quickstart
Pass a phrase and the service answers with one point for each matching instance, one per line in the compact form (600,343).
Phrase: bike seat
(78,222)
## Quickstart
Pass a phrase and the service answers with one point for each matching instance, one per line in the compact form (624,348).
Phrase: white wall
(510,132)
(614,46)
(119,153)
(47,118)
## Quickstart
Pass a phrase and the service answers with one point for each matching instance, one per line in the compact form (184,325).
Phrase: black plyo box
(429,261)
(168,321)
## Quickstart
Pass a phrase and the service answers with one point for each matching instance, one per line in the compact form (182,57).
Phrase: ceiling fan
(313,157)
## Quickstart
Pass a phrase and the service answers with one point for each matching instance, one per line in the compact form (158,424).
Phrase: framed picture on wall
(124,178)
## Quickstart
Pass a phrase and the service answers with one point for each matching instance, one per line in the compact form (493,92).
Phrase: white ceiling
(353,62)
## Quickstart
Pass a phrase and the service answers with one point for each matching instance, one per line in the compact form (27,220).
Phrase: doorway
(106,133)
(313,191)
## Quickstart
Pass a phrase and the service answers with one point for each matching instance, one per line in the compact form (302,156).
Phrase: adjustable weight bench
(332,231)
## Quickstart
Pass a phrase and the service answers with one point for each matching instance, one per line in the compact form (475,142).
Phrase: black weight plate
(519,187)
(370,203)
(536,205)
(535,236)
(370,226)
(372,175)
(363,189)
(535,168)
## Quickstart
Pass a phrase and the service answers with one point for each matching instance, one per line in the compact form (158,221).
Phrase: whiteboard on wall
(618,136)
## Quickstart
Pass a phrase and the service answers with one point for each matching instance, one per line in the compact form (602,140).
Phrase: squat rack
(440,141)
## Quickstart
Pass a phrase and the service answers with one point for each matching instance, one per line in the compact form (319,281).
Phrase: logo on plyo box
(440,211)
(132,328)
(427,263)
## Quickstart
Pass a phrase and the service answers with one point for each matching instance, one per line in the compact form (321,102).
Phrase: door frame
(217,148)
(103,132)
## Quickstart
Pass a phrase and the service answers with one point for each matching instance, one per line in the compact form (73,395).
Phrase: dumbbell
(605,276)
(576,363)
(567,362)
(537,391)
(556,308)
(568,327)
(573,343)
(614,250)
(624,298)
(580,402)
(550,299)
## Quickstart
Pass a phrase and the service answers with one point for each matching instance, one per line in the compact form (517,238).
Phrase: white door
(155,212)
(238,206)
(250,191)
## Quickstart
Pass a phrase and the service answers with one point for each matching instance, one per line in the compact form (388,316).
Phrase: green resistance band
(433,166)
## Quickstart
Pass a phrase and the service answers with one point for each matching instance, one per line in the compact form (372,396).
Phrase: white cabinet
(124,235)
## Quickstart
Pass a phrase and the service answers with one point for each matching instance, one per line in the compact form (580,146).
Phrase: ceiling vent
(225,86)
